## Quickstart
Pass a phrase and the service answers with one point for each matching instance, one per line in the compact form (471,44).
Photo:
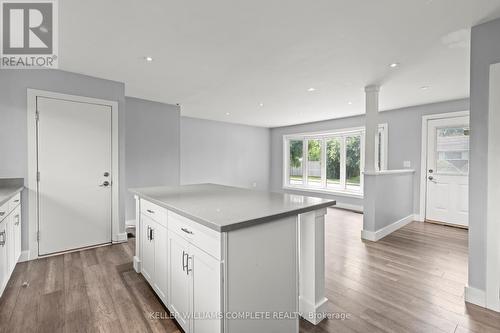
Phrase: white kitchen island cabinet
(225,259)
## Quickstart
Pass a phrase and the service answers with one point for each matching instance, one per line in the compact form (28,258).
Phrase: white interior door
(74,165)
(448,171)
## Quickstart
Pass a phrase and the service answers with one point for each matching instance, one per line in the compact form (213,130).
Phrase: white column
(312,300)
(138,229)
(371,125)
(369,183)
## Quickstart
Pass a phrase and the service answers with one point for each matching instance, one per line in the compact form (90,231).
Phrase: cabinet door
(178,279)
(205,274)
(17,232)
(10,246)
(161,260)
(148,249)
(3,255)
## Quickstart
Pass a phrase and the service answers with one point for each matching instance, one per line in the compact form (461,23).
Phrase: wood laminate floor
(410,281)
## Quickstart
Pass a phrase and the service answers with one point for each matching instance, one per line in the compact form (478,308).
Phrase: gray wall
(485,50)
(381,192)
(13,122)
(224,153)
(405,131)
(152,133)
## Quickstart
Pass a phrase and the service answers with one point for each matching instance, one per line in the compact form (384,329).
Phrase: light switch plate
(407,164)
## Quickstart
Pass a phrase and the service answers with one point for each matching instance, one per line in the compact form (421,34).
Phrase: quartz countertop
(9,188)
(225,208)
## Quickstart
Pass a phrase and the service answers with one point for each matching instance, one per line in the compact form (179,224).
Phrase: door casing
(32,95)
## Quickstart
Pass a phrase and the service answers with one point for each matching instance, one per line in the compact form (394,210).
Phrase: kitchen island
(226,259)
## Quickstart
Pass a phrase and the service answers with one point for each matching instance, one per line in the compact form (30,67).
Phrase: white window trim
(321,135)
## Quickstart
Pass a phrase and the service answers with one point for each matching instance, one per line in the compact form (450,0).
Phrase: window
(452,150)
(332,161)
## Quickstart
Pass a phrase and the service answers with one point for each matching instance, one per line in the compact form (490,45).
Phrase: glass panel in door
(452,150)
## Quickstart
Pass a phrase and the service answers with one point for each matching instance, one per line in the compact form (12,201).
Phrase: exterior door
(448,171)
(74,165)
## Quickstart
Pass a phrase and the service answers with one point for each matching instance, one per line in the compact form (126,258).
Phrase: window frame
(323,136)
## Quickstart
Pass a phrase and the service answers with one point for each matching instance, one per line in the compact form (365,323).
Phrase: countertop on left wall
(10,187)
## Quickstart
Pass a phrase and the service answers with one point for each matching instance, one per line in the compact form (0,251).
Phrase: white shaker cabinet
(10,238)
(179,282)
(205,275)
(4,269)
(195,286)
(154,263)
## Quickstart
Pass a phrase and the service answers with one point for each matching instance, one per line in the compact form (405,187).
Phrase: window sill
(349,194)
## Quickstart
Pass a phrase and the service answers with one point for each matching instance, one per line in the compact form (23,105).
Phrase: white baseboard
(475,296)
(25,256)
(130,223)
(121,237)
(313,313)
(418,218)
(137,264)
(2,286)
(381,233)
(356,208)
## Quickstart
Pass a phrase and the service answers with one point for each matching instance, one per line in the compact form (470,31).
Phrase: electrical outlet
(407,164)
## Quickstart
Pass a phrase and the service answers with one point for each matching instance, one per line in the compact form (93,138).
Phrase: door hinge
(38,176)
(37,115)
(38,236)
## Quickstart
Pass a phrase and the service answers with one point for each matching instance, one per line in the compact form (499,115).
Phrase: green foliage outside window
(296,153)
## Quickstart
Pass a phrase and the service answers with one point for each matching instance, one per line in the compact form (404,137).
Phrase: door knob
(105,184)
(431,178)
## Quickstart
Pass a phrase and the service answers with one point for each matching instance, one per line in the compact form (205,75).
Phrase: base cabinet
(195,286)
(179,257)
(154,258)
(10,239)
(4,268)
(206,291)
(179,280)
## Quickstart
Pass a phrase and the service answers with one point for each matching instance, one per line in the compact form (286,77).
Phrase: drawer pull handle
(187,264)
(184,266)
(150,211)
(187,231)
(17,200)
(2,242)
(148,234)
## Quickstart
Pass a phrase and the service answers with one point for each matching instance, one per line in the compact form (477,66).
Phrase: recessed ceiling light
(424,87)
(261,104)
(394,65)
(227,113)
(311,89)
(148,59)
(350,103)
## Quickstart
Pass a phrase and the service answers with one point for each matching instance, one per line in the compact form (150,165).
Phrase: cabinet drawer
(155,212)
(202,237)
(14,201)
(4,210)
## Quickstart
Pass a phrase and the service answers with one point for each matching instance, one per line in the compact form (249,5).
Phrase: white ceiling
(217,57)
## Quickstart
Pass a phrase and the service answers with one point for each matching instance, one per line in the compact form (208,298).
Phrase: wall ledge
(388,172)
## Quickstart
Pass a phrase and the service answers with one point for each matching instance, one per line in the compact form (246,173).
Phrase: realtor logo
(29,34)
